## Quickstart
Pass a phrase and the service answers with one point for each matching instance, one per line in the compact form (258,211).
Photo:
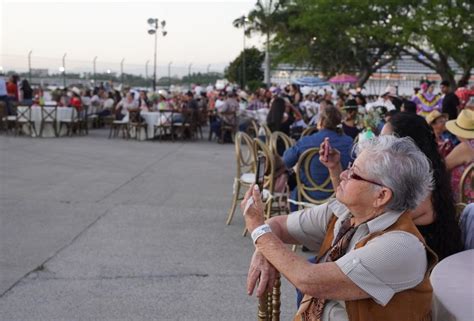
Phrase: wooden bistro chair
(3,117)
(228,127)
(188,124)
(252,129)
(72,124)
(23,118)
(309,131)
(164,125)
(269,304)
(275,203)
(49,116)
(135,122)
(303,166)
(276,139)
(120,125)
(265,131)
(245,175)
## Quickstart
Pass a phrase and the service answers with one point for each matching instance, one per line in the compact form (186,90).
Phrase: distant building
(39,72)
(405,73)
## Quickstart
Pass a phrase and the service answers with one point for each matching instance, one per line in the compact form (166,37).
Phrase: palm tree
(262,19)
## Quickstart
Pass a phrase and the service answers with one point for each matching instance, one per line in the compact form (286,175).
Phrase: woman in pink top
(463,154)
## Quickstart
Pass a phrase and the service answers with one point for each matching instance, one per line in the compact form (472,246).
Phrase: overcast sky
(199,32)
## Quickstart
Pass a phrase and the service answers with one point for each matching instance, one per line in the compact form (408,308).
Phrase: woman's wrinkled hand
(334,156)
(260,271)
(252,208)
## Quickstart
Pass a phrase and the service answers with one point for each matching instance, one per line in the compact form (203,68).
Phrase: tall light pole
(169,74)
(189,74)
(208,67)
(153,22)
(146,69)
(121,71)
(29,65)
(93,68)
(64,69)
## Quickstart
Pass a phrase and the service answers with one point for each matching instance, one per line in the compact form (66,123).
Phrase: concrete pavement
(99,229)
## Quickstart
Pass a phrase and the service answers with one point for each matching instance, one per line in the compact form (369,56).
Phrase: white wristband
(259,231)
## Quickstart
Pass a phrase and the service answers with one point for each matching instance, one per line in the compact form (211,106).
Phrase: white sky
(199,32)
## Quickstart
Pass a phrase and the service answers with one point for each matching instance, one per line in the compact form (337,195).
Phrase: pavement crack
(139,174)
(50,277)
(41,267)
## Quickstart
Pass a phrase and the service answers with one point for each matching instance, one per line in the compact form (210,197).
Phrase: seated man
(373,263)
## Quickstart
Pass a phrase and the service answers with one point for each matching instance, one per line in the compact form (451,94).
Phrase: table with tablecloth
(155,118)
(63,113)
(453,288)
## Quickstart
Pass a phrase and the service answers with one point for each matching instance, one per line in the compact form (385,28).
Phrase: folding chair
(23,117)
(49,115)
(279,142)
(245,175)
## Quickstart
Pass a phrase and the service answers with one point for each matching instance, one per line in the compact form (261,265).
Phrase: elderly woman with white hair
(373,263)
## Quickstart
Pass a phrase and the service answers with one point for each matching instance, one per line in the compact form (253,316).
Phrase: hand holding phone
(326,149)
(260,173)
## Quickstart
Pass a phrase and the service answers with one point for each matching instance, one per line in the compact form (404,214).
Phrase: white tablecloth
(154,118)
(64,113)
(453,288)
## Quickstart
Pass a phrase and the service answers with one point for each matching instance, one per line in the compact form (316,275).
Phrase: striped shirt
(390,263)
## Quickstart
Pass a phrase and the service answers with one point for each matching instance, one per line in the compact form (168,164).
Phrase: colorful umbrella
(343,79)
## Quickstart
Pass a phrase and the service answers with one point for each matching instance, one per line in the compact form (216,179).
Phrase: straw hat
(435,115)
(76,90)
(463,126)
(390,91)
(243,95)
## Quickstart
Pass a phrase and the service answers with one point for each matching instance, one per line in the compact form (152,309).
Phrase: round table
(453,288)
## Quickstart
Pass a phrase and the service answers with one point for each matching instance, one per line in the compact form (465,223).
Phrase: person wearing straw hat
(437,121)
(463,154)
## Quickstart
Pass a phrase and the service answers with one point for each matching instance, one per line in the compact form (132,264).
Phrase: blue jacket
(319,172)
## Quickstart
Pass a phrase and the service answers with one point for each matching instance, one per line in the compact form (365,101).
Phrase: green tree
(344,36)
(253,63)
(439,30)
(262,19)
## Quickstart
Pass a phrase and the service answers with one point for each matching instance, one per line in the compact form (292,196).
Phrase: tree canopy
(361,36)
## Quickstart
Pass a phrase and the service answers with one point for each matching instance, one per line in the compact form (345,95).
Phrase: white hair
(397,163)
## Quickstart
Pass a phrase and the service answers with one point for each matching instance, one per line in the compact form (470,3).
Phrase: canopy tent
(343,79)
(310,82)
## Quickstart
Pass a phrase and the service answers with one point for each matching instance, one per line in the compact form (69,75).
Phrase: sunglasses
(352,175)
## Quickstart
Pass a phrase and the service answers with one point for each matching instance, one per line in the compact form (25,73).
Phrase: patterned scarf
(312,308)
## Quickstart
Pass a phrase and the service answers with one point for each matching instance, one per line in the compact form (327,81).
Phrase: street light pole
(93,66)
(208,67)
(29,65)
(153,22)
(64,70)
(169,74)
(189,74)
(121,71)
(146,69)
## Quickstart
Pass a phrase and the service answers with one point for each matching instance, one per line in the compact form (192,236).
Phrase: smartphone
(260,174)
(326,149)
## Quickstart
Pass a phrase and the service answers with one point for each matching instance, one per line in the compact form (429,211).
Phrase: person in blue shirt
(329,125)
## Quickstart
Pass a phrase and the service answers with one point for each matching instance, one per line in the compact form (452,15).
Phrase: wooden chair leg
(276,302)
(263,308)
(111,129)
(235,197)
